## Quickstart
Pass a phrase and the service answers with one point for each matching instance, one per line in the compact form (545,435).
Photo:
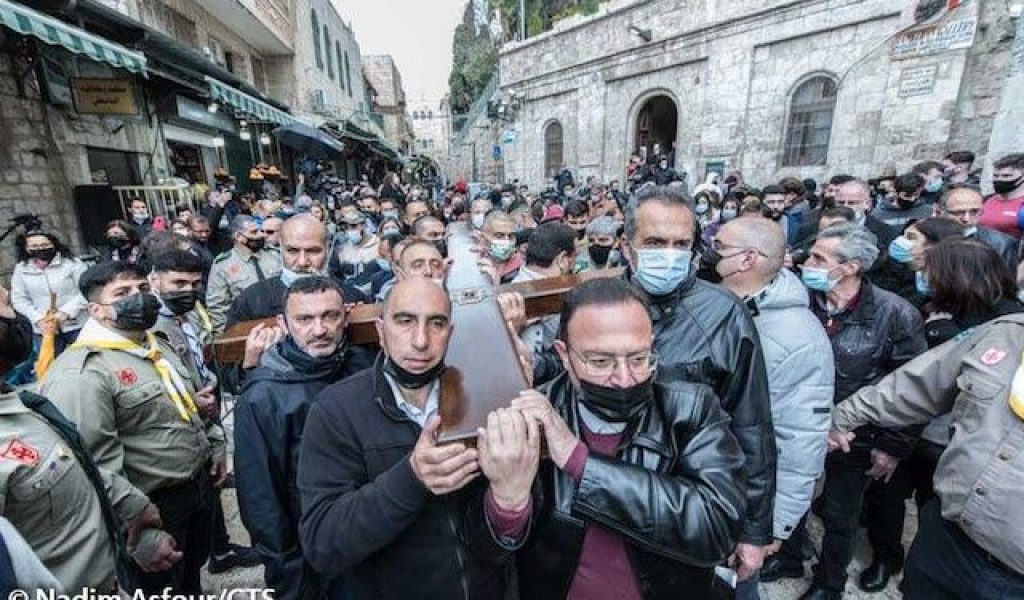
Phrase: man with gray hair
(748,255)
(247,262)
(872,332)
(499,238)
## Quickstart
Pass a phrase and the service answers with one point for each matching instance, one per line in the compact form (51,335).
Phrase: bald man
(384,505)
(798,360)
(303,253)
(964,204)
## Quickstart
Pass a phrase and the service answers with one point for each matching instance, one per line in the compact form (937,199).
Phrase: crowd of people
(749,357)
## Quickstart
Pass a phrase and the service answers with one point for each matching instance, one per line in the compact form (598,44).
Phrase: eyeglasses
(603,365)
(972,212)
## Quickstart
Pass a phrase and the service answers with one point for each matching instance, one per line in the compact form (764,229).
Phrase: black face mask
(410,380)
(1005,187)
(179,303)
(581,233)
(17,342)
(617,405)
(137,312)
(255,244)
(45,255)
(442,247)
(774,215)
(599,254)
(116,241)
(905,204)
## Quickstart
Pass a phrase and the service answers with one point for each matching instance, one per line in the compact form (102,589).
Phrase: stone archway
(656,122)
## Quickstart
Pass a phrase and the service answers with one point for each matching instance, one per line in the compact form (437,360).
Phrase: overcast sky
(417,33)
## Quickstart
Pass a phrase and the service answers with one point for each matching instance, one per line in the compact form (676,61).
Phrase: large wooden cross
(484,371)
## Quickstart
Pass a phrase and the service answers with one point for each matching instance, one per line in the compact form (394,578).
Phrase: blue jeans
(747,589)
(944,564)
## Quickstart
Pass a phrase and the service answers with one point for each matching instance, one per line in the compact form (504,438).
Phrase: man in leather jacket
(643,494)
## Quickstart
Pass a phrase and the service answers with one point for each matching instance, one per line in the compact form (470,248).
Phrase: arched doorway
(656,123)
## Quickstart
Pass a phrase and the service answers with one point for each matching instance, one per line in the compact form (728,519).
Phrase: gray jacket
(801,375)
(981,473)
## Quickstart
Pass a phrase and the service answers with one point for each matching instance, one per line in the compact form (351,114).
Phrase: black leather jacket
(1006,245)
(879,335)
(680,511)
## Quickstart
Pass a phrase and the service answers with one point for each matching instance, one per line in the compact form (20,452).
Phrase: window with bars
(552,148)
(315,22)
(811,110)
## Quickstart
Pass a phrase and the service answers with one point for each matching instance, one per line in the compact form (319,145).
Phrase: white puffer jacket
(31,287)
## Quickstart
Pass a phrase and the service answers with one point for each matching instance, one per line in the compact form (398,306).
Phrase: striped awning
(255,108)
(53,31)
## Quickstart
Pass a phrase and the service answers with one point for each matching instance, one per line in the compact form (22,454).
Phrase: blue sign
(496,152)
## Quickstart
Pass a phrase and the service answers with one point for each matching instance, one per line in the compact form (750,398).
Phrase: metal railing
(162,200)
(478,108)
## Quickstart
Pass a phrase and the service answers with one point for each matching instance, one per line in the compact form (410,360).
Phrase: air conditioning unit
(317,102)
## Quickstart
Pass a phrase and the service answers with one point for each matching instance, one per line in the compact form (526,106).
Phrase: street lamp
(264,139)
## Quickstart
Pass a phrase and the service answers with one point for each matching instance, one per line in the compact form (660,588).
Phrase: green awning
(254,107)
(53,31)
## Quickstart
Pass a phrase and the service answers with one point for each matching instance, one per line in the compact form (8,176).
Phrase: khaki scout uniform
(126,417)
(232,272)
(980,475)
(170,329)
(48,497)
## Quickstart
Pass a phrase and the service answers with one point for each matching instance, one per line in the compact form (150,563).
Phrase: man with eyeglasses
(644,491)
(270,419)
(749,255)
(964,204)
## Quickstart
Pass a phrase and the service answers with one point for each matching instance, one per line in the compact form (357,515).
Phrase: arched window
(330,60)
(552,148)
(315,22)
(810,122)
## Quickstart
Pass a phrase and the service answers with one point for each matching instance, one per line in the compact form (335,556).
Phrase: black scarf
(318,367)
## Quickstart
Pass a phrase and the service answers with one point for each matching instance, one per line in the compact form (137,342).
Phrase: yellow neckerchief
(173,383)
(204,318)
(1017,391)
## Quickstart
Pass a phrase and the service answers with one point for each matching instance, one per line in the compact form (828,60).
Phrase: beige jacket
(231,273)
(48,497)
(980,476)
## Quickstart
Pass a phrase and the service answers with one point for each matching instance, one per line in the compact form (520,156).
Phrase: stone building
(431,124)
(772,88)
(390,100)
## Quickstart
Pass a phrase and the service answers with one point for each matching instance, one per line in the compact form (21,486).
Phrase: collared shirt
(415,413)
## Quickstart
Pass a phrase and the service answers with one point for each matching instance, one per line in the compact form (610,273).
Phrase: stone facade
(431,125)
(731,69)
(390,100)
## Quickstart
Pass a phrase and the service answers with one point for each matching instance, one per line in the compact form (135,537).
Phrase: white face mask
(478,220)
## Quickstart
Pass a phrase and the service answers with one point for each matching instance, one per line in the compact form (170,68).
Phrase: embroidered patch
(234,270)
(992,356)
(127,377)
(21,452)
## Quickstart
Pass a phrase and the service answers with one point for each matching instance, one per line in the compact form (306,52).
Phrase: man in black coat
(644,492)
(269,422)
(399,516)
(963,203)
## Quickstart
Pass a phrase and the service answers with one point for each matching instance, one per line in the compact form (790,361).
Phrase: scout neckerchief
(1017,391)
(93,337)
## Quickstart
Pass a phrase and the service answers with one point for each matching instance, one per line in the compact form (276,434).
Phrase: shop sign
(193,112)
(917,81)
(932,39)
(104,96)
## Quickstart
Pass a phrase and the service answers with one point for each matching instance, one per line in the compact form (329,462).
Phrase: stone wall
(731,69)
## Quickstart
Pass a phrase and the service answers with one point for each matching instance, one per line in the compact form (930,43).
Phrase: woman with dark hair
(966,283)
(121,243)
(46,279)
(900,273)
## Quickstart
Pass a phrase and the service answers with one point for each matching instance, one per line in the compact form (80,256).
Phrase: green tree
(474,61)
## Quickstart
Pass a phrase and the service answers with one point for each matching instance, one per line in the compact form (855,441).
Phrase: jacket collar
(660,307)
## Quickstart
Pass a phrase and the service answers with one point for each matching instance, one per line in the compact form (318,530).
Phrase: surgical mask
(140,217)
(971,231)
(389,230)
(933,186)
(599,254)
(410,380)
(900,250)
(137,312)
(921,284)
(389,214)
(45,254)
(817,279)
(179,303)
(353,237)
(439,281)
(383,264)
(701,208)
(661,270)
(1005,187)
(288,276)
(617,405)
(477,219)
(501,250)
(728,214)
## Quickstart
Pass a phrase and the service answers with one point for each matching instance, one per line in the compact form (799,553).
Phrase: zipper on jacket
(458,549)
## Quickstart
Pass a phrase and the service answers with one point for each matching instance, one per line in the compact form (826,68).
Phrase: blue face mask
(661,270)
(921,283)
(288,277)
(933,186)
(817,279)
(383,264)
(900,250)
(353,237)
